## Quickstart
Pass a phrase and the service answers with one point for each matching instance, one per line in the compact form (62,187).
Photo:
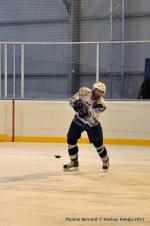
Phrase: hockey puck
(58,156)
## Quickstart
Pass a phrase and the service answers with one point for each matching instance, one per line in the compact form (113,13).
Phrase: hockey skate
(72,166)
(105,165)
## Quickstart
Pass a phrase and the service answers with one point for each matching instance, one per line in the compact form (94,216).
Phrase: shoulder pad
(84,91)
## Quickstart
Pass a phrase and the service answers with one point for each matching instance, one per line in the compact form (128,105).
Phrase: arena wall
(124,122)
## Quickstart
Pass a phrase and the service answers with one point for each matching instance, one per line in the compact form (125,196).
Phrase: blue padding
(147,68)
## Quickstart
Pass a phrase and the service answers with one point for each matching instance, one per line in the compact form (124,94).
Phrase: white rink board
(42,118)
(126,119)
(5,117)
(121,120)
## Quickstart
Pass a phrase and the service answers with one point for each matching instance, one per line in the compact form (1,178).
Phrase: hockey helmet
(100,86)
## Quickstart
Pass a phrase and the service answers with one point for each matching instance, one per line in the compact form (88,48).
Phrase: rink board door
(6,120)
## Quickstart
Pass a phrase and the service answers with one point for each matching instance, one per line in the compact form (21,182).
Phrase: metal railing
(22,61)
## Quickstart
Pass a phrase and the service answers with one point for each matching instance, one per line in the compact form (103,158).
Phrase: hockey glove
(78,105)
(99,107)
(83,113)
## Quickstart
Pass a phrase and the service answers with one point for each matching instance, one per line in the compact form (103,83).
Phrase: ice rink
(35,191)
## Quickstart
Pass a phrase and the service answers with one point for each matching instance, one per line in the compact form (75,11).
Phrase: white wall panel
(5,119)
(124,120)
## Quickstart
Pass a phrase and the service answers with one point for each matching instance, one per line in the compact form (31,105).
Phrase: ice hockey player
(88,104)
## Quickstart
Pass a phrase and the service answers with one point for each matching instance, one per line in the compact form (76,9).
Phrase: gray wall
(46,66)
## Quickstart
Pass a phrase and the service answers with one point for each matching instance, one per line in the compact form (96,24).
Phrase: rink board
(124,122)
